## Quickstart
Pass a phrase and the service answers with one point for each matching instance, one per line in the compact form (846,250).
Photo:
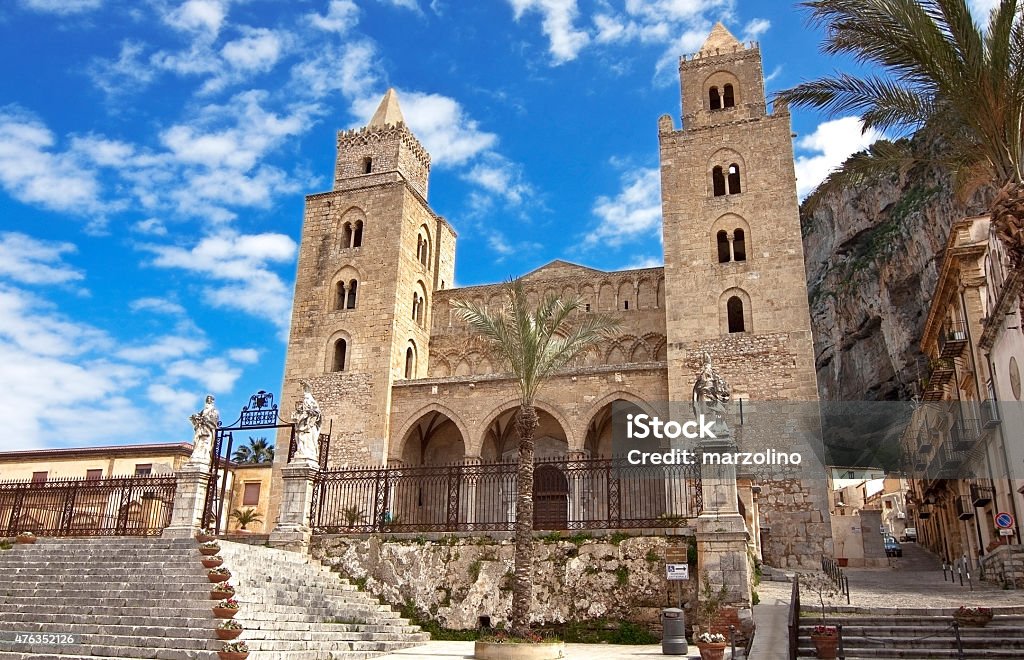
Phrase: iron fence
(568,495)
(113,506)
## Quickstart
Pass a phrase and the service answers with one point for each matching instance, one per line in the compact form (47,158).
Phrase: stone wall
(1005,565)
(457,580)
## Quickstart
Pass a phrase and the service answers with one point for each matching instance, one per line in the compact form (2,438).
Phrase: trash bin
(673,632)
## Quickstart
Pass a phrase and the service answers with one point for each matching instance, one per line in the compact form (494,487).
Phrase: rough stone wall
(456,581)
(1005,565)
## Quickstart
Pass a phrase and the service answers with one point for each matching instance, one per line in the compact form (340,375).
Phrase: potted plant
(824,637)
(219,574)
(709,606)
(26,537)
(212,562)
(234,651)
(246,517)
(974,617)
(205,535)
(230,629)
(221,591)
(226,608)
(503,645)
(209,548)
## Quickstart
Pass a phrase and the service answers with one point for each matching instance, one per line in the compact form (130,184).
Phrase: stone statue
(204,425)
(307,418)
(710,394)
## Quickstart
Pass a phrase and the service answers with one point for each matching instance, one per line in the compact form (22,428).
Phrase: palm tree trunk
(1007,211)
(522,587)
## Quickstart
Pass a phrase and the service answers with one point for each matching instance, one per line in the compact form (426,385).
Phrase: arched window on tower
(739,245)
(340,355)
(419,249)
(734,179)
(714,99)
(367,165)
(357,234)
(351,302)
(734,310)
(339,296)
(722,239)
(728,97)
(419,310)
(410,363)
(718,181)
(346,235)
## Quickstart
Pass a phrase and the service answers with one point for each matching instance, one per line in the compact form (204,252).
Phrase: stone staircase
(149,598)
(917,634)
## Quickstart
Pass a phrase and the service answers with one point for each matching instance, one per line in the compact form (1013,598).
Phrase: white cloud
(214,374)
(635,212)
(341,16)
(557,22)
(150,226)
(62,6)
(831,143)
(350,70)
(174,402)
(33,172)
(157,306)
(501,177)
(982,9)
(240,267)
(202,16)
(641,261)
(160,349)
(32,261)
(256,52)
(755,28)
(244,355)
(404,4)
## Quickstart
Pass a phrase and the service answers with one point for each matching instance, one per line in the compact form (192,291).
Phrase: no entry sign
(1004,520)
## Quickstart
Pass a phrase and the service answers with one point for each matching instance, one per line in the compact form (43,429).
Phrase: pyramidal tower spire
(720,40)
(388,112)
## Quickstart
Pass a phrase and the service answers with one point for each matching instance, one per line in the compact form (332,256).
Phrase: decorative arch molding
(718,80)
(396,449)
(351,225)
(723,311)
(613,396)
(737,234)
(478,437)
(327,351)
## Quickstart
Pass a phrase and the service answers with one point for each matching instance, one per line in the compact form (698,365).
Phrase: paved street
(453,650)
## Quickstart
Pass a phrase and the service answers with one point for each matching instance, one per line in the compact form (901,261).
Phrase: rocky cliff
(872,256)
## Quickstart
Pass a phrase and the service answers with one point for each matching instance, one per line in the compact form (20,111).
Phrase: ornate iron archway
(261,413)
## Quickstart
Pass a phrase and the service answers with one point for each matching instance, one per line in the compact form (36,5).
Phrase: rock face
(457,581)
(872,254)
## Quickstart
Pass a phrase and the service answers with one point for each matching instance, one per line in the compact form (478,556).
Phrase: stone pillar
(292,531)
(722,535)
(189,498)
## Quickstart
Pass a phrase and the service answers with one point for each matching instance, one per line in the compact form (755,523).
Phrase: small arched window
(419,310)
(739,245)
(340,355)
(367,165)
(346,235)
(734,310)
(714,99)
(339,296)
(351,302)
(734,179)
(718,181)
(419,249)
(410,363)
(722,239)
(357,234)
(728,97)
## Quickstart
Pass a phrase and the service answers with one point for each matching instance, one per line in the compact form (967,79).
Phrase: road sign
(677,571)
(1006,532)
(1004,520)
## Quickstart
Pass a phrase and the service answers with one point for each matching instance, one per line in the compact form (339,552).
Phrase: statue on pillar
(308,419)
(710,394)
(204,426)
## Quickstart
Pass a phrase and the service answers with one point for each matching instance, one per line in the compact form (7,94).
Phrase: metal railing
(113,506)
(794,619)
(832,569)
(568,495)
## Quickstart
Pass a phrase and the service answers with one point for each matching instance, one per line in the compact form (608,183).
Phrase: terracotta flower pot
(712,650)
(217,594)
(203,538)
(212,563)
(827,646)
(224,612)
(209,551)
(26,539)
(842,561)
(973,620)
(219,577)
(232,655)
(228,633)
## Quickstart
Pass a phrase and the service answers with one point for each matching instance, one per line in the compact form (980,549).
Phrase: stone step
(317,631)
(806,650)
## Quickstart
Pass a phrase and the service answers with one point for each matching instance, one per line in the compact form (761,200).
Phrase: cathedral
(404,382)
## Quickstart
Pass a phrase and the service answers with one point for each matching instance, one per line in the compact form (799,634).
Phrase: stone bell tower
(371,256)
(734,272)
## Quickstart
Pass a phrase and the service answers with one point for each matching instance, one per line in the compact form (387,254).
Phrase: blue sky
(154,155)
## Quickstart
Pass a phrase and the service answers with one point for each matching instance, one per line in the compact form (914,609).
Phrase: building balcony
(963,434)
(942,371)
(981,493)
(950,460)
(952,339)
(924,442)
(964,507)
(990,414)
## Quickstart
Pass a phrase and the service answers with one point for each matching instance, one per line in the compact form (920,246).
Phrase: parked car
(909,535)
(892,547)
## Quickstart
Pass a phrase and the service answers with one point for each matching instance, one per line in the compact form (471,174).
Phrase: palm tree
(257,451)
(245,517)
(938,73)
(534,342)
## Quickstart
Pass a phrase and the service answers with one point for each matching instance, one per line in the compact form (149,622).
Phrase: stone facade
(416,387)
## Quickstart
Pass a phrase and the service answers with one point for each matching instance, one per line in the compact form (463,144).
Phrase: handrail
(831,569)
(794,619)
